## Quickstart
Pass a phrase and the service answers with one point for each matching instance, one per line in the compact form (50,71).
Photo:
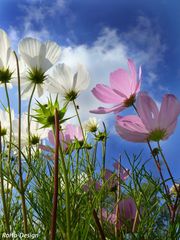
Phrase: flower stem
(67,196)
(167,166)
(79,120)
(86,151)
(55,195)
(2,188)
(10,141)
(29,122)
(19,151)
(98,225)
(10,122)
(161,175)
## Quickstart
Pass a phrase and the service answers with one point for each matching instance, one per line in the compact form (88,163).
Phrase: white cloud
(110,51)
(106,53)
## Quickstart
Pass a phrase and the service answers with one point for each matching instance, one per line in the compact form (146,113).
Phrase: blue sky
(102,35)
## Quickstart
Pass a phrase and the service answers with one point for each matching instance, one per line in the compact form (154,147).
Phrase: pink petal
(148,111)
(108,174)
(124,173)
(138,84)
(51,138)
(131,128)
(133,75)
(169,112)
(170,130)
(106,94)
(101,110)
(127,209)
(45,148)
(120,80)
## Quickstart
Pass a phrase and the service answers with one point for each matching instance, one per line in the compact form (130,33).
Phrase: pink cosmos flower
(152,124)
(67,136)
(126,213)
(122,91)
(111,178)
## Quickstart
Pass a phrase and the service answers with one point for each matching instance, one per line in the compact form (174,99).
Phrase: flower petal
(120,80)
(133,75)
(4,48)
(51,138)
(106,94)
(30,49)
(101,110)
(131,128)
(63,78)
(169,112)
(81,81)
(40,90)
(53,51)
(148,111)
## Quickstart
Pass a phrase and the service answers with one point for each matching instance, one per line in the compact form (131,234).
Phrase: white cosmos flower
(7,61)
(173,189)
(4,120)
(91,125)
(62,80)
(39,58)
(37,133)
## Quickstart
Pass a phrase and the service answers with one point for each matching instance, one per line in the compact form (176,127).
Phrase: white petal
(53,51)
(4,48)
(82,78)
(30,50)
(26,91)
(40,90)
(62,76)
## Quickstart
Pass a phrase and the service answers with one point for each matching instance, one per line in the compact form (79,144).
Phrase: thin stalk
(117,200)
(19,151)
(29,121)
(10,121)
(2,188)
(10,140)
(98,225)
(161,175)
(84,138)
(55,195)
(79,120)
(67,196)
(167,166)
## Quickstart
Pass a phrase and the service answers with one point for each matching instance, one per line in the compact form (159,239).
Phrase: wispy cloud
(107,52)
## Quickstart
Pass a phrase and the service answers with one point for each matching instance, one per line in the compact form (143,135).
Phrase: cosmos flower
(39,58)
(4,120)
(61,80)
(173,189)
(7,61)
(121,92)
(91,125)
(68,135)
(126,214)
(110,178)
(152,124)
(37,133)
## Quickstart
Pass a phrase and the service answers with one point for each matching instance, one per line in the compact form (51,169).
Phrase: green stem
(79,120)
(67,196)
(167,166)
(19,152)
(84,138)
(2,188)
(10,122)
(10,139)
(29,121)
(55,195)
